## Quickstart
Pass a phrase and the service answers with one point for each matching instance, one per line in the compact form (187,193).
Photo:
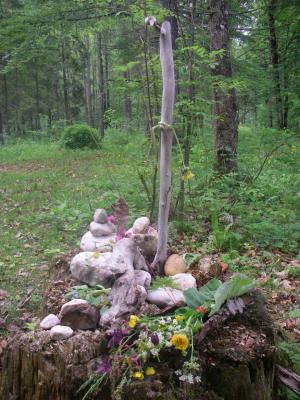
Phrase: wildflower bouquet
(139,343)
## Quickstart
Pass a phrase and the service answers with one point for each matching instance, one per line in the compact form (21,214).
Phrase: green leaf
(238,285)
(295,313)
(195,298)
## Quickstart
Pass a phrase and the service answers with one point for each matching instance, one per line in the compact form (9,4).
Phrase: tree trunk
(191,98)
(37,101)
(107,93)
(87,83)
(127,102)
(100,85)
(275,63)
(6,122)
(65,83)
(167,66)
(225,103)
(1,128)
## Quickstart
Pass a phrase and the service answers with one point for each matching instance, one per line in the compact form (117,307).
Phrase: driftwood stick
(167,66)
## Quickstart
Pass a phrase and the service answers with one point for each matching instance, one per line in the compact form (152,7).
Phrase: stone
(49,322)
(166,297)
(99,230)
(184,281)
(89,242)
(79,315)
(143,278)
(141,225)
(74,302)
(100,216)
(91,268)
(210,266)
(174,265)
(60,332)
(146,243)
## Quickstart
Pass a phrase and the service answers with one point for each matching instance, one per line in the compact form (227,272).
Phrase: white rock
(90,267)
(141,225)
(100,216)
(73,302)
(99,230)
(166,297)
(184,281)
(60,332)
(89,242)
(49,321)
(143,278)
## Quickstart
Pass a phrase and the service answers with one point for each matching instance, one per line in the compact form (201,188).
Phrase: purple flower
(155,338)
(117,336)
(135,360)
(104,367)
(110,218)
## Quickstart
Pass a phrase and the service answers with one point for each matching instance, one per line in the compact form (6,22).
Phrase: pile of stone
(75,314)
(122,266)
(101,236)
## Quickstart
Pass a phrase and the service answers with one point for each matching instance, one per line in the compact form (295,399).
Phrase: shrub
(78,136)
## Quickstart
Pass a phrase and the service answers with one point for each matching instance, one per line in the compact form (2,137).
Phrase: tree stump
(237,359)
(239,356)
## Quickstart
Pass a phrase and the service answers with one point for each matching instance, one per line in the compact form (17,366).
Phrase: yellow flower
(138,375)
(133,320)
(150,371)
(179,318)
(187,175)
(96,254)
(180,341)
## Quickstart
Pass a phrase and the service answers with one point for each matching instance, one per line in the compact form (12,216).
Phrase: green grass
(48,195)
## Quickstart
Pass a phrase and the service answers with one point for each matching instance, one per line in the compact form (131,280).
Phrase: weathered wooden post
(167,66)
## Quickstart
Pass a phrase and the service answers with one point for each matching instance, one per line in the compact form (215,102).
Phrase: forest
(166,135)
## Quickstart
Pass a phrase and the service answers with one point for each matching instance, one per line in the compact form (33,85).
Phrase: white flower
(183,378)
(190,379)
(197,379)
(178,372)
(154,352)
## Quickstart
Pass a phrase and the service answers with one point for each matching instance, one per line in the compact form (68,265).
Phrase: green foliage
(292,352)
(91,295)
(223,239)
(214,294)
(206,294)
(294,313)
(79,136)
(164,281)
(236,286)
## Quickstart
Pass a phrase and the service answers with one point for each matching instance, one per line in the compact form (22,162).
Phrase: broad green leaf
(195,298)
(238,285)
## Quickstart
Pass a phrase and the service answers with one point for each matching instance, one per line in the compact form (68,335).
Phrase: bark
(127,102)
(237,360)
(100,85)
(225,103)
(1,128)
(191,98)
(87,83)
(167,66)
(274,56)
(37,101)
(65,83)
(171,5)
(107,93)
(6,107)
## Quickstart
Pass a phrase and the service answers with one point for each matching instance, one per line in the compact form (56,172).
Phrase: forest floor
(48,195)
